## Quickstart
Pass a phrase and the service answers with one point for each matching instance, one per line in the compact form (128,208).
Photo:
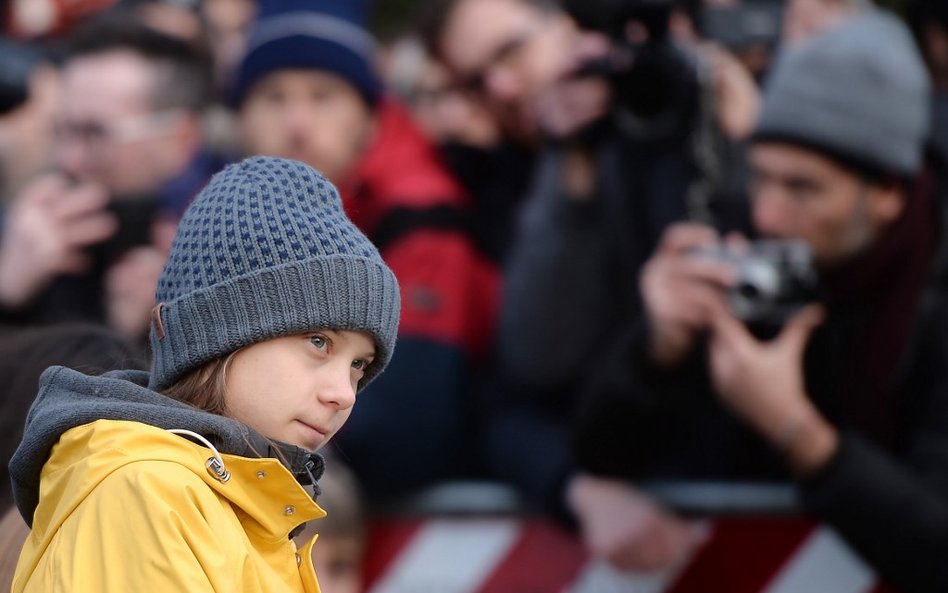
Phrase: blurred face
(800,194)
(311,116)
(298,389)
(448,113)
(519,55)
(338,562)
(107,131)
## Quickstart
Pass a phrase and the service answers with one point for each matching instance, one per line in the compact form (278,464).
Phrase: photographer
(87,240)
(849,398)
(620,158)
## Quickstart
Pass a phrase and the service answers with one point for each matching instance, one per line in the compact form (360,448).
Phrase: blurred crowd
(637,241)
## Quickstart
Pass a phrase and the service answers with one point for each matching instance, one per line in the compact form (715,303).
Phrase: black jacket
(877,369)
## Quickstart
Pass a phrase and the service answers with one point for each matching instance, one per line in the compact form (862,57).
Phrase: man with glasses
(521,63)
(85,242)
(607,184)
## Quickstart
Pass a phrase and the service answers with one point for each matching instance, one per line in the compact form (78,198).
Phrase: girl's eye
(359,365)
(319,341)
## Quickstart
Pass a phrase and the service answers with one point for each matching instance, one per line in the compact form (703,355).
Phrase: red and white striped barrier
(528,555)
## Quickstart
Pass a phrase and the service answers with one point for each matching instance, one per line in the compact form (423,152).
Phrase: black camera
(655,83)
(774,279)
(135,215)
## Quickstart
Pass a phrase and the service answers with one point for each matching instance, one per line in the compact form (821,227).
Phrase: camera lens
(748,291)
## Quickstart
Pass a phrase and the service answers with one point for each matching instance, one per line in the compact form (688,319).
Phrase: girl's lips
(313,435)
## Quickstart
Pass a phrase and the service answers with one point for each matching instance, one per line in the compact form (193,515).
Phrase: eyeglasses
(508,56)
(96,135)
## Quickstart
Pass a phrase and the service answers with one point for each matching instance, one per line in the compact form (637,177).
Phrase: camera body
(136,216)
(655,83)
(774,279)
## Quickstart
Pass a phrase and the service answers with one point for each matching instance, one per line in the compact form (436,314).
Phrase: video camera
(655,80)
(655,83)
(135,216)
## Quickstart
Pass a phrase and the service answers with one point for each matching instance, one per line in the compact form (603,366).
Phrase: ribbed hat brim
(332,292)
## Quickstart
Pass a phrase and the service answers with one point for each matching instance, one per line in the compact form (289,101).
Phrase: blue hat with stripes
(328,35)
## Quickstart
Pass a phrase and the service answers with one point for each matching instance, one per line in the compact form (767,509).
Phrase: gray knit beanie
(264,251)
(859,91)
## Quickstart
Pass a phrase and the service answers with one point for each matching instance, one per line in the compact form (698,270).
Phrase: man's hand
(131,282)
(682,292)
(762,382)
(574,101)
(738,96)
(46,233)
(627,528)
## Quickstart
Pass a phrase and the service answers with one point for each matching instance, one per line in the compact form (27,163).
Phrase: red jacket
(405,200)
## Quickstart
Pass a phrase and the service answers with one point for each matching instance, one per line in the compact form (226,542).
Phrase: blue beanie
(859,91)
(325,35)
(264,251)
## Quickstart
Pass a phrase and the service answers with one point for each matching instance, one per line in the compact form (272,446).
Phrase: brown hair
(25,352)
(433,19)
(204,387)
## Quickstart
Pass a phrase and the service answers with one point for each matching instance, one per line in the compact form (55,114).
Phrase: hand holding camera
(579,96)
(47,232)
(696,283)
(694,276)
(682,292)
(762,383)
(131,280)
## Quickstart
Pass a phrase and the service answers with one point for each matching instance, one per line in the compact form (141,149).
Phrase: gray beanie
(859,91)
(264,251)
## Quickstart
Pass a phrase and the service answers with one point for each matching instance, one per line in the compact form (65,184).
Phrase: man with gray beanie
(847,398)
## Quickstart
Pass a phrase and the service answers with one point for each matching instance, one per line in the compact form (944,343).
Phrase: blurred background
(519,163)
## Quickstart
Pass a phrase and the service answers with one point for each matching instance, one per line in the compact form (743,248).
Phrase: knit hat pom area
(266,250)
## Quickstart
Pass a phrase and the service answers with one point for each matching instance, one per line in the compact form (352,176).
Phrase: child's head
(273,308)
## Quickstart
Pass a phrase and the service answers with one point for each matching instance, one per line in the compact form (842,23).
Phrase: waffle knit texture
(265,251)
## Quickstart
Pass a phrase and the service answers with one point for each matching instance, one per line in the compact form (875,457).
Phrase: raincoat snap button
(261,474)
(298,560)
(289,510)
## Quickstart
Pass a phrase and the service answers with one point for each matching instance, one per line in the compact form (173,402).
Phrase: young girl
(273,311)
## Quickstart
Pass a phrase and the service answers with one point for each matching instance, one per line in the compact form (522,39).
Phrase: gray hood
(68,399)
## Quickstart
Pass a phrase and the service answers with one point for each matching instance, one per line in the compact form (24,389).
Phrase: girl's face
(298,389)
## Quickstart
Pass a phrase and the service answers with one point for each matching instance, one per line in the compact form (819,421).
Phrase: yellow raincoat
(128,507)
